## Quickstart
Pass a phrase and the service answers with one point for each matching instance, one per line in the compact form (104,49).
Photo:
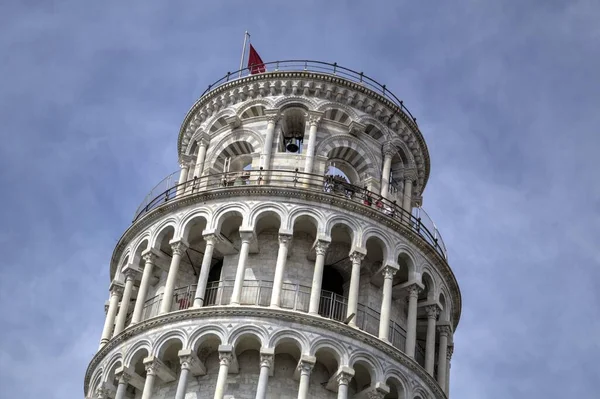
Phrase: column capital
(150,255)
(123,375)
(247,234)
(409,174)
(130,272)
(187,361)
(355,128)
(449,352)
(225,358)
(179,246)
(211,238)
(414,290)
(432,311)
(344,375)
(321,247)
(444,330)
(357,255)
(184,164)
(116,288)
(266,359)
(389,272)
(314,118)
(272,115)
(388,149)
(102,392)
(306,364)
(151,365)
(285,238)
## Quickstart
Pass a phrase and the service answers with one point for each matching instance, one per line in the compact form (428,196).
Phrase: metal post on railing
(295,177)
(383,91)
(296,294)
(277,66)
(305,65)
(361,77)
(227,79)
(334,67)
(260,170)
(257,302)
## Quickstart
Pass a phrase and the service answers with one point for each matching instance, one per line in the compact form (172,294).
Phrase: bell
(292,147)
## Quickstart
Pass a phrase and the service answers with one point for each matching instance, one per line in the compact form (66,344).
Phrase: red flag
(255,64)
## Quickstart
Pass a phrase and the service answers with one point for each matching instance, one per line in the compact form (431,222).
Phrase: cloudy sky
(507,94)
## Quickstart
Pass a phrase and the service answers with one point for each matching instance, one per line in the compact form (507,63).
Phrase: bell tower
(288,256)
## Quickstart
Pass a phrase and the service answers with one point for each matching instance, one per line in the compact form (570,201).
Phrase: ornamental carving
(225,358)
(266,360)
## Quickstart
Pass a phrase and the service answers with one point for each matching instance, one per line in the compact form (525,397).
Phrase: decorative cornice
(276,315)
(291,193)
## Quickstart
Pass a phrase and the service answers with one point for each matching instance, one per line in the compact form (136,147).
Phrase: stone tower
(288,257)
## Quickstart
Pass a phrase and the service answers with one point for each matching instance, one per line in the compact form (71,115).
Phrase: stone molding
(279,315)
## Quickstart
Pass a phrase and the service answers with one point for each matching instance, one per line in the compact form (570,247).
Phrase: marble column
(179,247)
(432,314)
(305,367)
(313,122)
(284,242)
(130,273)
(356,258)
(123,383)
(151,370)
(343,379)
(388,153)
(182,178)
(149,258)
(265,159)
(315,291)
(116,290)
(411,323)
(444,331)
(266,362)
(200,158)
(407,195)
(449,352)
(210,240)
(225,359)
(186,363)
(236,295)
(386,303)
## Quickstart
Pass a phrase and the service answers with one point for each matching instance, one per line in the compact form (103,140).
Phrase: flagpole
(246,36)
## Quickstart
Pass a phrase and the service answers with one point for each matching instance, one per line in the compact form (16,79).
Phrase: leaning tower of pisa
(288,257)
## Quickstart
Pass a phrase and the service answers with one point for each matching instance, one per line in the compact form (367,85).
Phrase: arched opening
(253,112)
(397,390)
(337,115)
(295,293)
(217,125)
(362,377)
(293,127)
(236,161)
(349,161)
(326,365)
(219,291)
(137,362)
(110,375)
(336,274)
(247,352)
(426,296)
(287,356)
(207,350)
(191,263)
(169,355)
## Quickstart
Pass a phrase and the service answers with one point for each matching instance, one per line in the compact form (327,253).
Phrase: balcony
(169,189)
(293,297)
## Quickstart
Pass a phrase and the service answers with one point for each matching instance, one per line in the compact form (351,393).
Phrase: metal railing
(418,220)
(293,296)
(320,67)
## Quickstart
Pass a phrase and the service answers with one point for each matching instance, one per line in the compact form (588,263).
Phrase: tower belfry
(289,256)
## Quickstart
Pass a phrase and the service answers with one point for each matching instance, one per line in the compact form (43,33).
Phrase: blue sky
(507,95)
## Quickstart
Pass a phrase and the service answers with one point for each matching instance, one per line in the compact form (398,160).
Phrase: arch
(136,350)
(314,215)
(264,103)
(258,332)
(405,153)
(374,232)
(444,301)
(429,282)
(292,335)
(374,129)
(165,340)
(347,221)
(370,363)
(419,393)
(162,229)
(190,219)
(95,381)
(243,141)
(263,208)
(201,334)
(351,150)
(222,213)
(404,254)
(302,102)
(217,121)
(330,106)
(394,378)
(111,367)
(335,347)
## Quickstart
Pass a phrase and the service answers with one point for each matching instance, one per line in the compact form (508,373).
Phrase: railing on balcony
(293,296)
(321,68)
(418,220)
